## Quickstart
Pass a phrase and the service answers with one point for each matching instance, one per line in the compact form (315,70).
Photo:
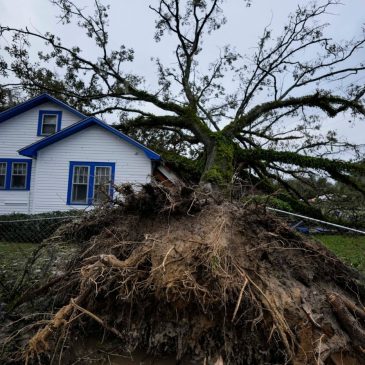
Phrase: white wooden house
(54,158)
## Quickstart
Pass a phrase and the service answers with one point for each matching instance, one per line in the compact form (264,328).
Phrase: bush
(33,228)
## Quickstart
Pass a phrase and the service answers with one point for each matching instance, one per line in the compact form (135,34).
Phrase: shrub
(33,228)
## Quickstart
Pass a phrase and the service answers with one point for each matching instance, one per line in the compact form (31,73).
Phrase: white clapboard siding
(21,130)
(16,133)
(93,144)
(14,202)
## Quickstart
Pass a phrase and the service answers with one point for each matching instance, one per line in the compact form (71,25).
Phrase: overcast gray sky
(132,24)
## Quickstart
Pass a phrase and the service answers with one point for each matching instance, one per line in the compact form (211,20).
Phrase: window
(49,122)
(90,182)
(80,184)
(15,174)
(2,175)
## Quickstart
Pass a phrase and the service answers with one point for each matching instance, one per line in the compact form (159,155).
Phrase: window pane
(2,174)
(18,182)
(81,175)
(2,168)
(79,193)
(49,125)
(19,168)
(50,119)
(19,175)
(48,129)
(102,184)
(102,175)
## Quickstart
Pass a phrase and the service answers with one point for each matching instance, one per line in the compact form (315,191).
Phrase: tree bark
(219,165)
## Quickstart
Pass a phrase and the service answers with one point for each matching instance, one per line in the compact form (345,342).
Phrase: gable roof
(32,149)
(31,103)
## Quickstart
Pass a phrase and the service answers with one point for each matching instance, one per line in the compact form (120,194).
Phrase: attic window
(49,122)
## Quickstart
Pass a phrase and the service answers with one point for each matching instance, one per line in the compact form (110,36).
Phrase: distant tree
(344,203)
(9,98)
(335,200)
(266,129)
(311,187)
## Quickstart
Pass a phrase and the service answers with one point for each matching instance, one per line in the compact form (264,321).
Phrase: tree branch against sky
(253,114)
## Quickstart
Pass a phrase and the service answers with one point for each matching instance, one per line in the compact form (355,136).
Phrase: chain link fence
(32,230)
(310,225)
(24,261)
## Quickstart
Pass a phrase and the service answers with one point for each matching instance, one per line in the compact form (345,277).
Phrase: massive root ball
(207,283)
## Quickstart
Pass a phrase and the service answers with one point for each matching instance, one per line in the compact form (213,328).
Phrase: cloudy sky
(132,24)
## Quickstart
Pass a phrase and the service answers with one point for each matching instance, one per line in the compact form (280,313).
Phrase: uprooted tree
(267,129)
(177,271)
(171,273)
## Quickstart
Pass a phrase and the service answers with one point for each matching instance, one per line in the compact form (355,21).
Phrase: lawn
(350,249)
(13,256)
(15,252)
(18,270)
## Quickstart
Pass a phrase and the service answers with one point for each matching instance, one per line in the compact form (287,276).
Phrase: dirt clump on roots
(178,274)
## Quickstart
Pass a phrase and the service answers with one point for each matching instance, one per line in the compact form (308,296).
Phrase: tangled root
(209,283)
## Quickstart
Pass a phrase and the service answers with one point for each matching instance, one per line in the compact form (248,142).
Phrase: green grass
(10,251)
(13,261)
(351,249)
(16,261)
(14,256)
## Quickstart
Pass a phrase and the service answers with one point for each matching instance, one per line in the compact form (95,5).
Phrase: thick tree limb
(331,104)
(292,158)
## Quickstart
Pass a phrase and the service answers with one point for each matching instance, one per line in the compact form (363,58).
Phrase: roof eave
(34,102)
(32,150)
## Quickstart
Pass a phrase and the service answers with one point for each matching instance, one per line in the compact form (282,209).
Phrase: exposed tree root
(347,320)
(230,284)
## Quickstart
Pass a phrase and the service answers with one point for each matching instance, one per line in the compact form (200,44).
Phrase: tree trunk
(219,167)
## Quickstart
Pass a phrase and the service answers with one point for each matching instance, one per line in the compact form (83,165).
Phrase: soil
(199,282)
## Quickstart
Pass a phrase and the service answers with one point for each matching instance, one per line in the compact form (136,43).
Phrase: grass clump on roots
(176,273)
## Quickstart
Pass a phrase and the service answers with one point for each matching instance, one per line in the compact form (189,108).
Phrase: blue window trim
(90,191)
(41,114)
(9,166)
